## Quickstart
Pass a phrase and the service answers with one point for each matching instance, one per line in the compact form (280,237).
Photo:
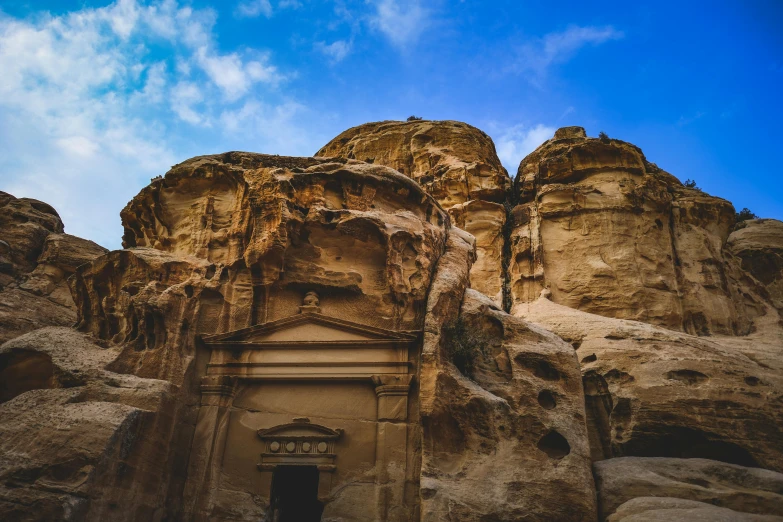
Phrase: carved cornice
(221,385)
(386,385)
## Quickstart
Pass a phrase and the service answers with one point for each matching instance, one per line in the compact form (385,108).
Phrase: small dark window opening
(295,494)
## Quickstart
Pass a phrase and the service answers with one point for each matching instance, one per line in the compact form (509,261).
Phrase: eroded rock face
(653,392)
(362,230)
(454,162)
(621,356)
(76,440)
(36,257)
(225,242)
(748,490)
(758,244)
(610,233)
(510,444)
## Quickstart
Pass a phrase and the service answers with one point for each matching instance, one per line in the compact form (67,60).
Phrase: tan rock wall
(511,442)
(607,232)
(653,392)
(456,164)
(35,260)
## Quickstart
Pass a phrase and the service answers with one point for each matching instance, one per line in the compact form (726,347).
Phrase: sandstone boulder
(749,490)
(76,440)
(662,509)
(454,162)
(510,442)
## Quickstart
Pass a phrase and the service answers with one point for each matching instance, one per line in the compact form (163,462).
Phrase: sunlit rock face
(455,163)
(277,224)
(758,245)
(610,233)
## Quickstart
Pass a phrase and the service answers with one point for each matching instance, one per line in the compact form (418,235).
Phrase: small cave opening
(554,445)
(294,496)
(547,400)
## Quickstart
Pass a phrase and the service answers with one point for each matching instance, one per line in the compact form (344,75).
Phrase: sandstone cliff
(639,375)
(608,232)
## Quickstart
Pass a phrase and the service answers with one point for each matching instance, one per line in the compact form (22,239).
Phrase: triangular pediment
(299,430)
(309,328)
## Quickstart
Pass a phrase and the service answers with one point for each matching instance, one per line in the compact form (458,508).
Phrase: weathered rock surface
(653,392)
(662,509)
(758,244)
(363,230)
(610,233)
(35,260)
(238,240)
(454,162)
(510,443)
(77,441)
(749,490)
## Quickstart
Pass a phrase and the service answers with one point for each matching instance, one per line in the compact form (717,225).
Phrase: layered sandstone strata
(455,163)
(36,258)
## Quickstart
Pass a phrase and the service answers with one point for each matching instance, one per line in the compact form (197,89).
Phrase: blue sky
(96,98)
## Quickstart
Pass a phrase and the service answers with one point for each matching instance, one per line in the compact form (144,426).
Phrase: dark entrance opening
(295,494)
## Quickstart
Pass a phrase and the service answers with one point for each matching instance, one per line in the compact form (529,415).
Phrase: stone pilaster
(391,441)
(209,441)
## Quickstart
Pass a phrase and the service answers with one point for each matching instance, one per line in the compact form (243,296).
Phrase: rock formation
(608,232)
(36,257)
(395,331)
(455,163)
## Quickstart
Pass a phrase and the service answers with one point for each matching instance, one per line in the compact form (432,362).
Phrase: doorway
(294,494)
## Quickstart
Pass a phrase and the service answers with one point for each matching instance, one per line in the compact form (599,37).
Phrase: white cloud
(514,143)
(253,9)
(95,102)
(232,74)
(537,56)
(401,21)
(335,51)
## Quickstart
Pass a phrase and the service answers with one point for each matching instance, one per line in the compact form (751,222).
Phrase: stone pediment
(299,429)
(309,328)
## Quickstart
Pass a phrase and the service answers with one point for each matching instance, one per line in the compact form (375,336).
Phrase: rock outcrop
(653,392)
(610,233)
(509,443)
(455,163)
(744,490)
(758,244)
(36,258)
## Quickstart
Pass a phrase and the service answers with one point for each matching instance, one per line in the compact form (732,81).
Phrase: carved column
(209,441)
(391,441)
